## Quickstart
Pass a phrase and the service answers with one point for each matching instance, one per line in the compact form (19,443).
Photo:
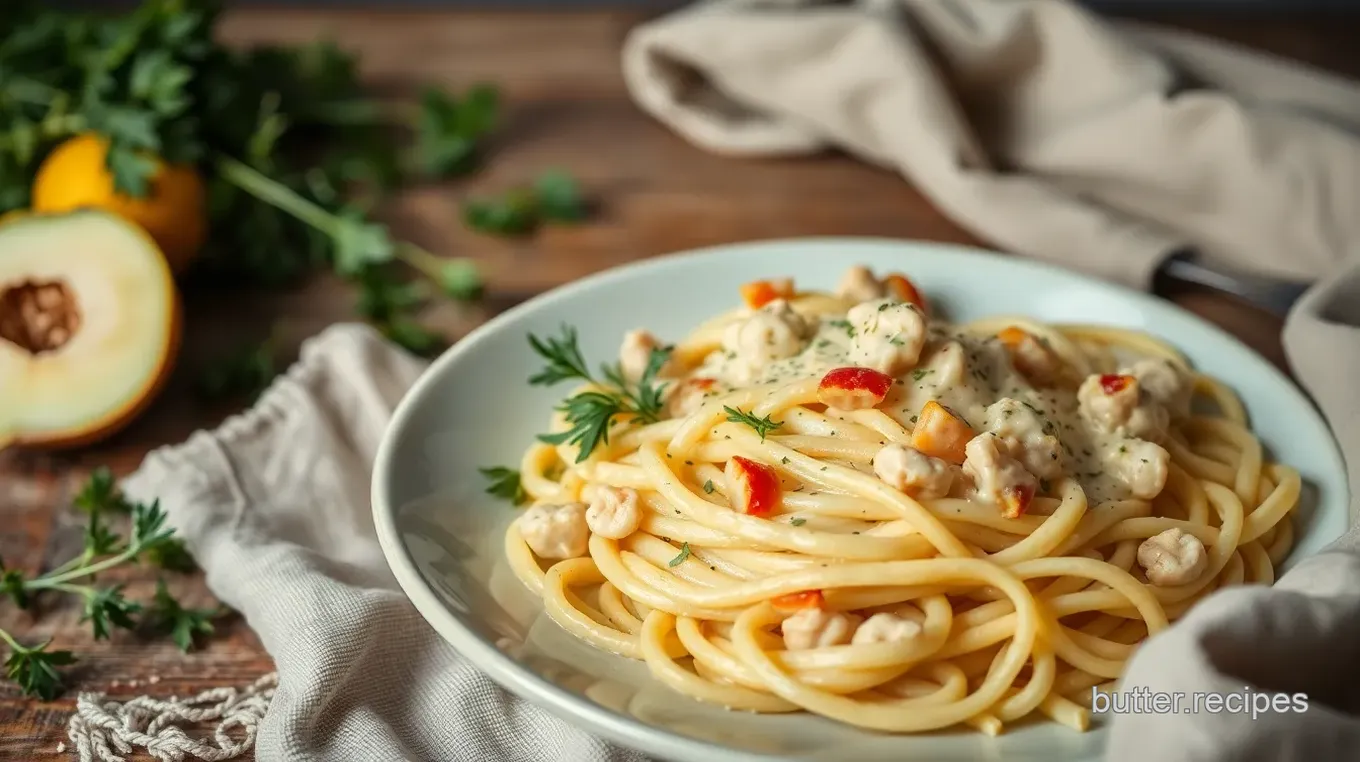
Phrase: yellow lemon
(75,176)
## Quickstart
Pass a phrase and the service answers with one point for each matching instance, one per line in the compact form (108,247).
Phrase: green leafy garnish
(708,487)
(100,493)
(555,197)
(449,130)
(590,414)
(103,607)
(763,426)
(182,624)
(107,606)
(243,373)
(559,197)
(920,373)
(684,553)
(798,521)
(34,668)
(513,213)
(505,484)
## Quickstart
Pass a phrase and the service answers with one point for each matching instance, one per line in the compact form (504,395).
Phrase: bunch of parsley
(293,152)
(34,667)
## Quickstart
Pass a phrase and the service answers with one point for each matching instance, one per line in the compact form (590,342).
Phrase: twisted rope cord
(109,731)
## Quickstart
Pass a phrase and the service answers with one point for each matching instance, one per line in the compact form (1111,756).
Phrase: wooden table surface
(565,107)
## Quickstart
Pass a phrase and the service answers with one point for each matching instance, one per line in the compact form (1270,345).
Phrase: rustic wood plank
(566,107)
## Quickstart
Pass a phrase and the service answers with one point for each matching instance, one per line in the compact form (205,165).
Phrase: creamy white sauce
(967,377)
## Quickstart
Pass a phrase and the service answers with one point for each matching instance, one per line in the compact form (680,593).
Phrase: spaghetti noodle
(834,503)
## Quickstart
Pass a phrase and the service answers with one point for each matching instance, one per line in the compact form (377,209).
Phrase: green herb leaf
(148,528)
(105,607)
(588,416)
(359,244)
(167,616)
(920,373)
(563,355)
(99,539)
(12,584)
(172,555)
(35,669)
(449,130)
(101,493)
(412,336)
(460,280)
(684,553)
(513,213)
(708,487)
(763,426)
(559,197)
(243,373)
(505,484)
(798,522)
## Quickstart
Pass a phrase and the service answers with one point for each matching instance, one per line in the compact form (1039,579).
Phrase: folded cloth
(1040,128)
(274,505)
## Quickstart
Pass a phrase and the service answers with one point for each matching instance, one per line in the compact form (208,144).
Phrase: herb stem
(275,194)
(420,259)
(80,560)
(54,581)
(9,639)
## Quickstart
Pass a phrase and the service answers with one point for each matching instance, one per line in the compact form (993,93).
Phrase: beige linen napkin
(1103,147)
(274,505)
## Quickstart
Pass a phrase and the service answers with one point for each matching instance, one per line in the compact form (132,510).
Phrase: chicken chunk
(1025,436)
(1032,356)
(556,531)
(997,477)
(913,472)
(859,285)
(886,628)
(1165,384)
(1116,404)
(1141,465)
(613,512)
(816,628)
(773,332)
(889,336)
(1172,558)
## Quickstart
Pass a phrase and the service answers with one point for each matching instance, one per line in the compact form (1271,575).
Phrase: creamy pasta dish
(838,503)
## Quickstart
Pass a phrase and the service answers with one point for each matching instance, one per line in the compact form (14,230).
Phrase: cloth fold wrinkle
(1044,130)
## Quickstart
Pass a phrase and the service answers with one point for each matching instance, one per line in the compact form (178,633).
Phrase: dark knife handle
(1274,295)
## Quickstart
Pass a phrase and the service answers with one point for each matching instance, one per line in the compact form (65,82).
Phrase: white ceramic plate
(443,536)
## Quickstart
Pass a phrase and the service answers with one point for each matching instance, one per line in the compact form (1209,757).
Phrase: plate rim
(599,719)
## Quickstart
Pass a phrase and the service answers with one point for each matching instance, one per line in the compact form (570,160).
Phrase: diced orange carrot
(941,433)
(900,287)
(807,599)
(753,487)
(1016,500)
(853,388)
(1012,336)
(759,293)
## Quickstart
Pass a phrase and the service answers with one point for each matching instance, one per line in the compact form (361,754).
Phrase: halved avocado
(89,327)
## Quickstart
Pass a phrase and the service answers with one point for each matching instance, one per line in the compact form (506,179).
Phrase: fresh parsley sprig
(34,668)
(590,414)
(763,426)
(104,607)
